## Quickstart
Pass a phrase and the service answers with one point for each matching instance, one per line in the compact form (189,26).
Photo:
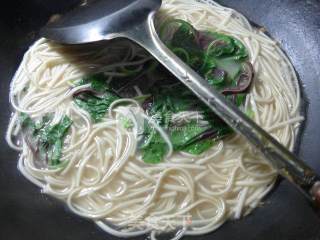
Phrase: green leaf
(231,66)
(181,135)
(216,81)
(155,149)
(52,133)
(241,51)
(56,152)
(250,113)
(222,45)
(183,42)
(142,98)
(205,52)
(240,99)
(208,64)
(182,54)
(96,106)
(184,33)
(60,165)
(226,46)
(199,147)
(154,153)
(165,100)
(49,138)
(126,122)
(184,37)
(25,121)
(52,137)
(98,82)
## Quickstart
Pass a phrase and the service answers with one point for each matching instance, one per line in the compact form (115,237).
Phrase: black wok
(26,214)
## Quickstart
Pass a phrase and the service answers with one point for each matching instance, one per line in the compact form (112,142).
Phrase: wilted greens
(96,99)
(221,59)
(45,139)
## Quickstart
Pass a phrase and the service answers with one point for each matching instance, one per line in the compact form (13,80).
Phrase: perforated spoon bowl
(133,19)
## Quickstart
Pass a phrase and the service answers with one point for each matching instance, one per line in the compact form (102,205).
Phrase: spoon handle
(287,164)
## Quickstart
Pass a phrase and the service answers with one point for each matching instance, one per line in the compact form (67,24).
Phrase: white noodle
(105,179)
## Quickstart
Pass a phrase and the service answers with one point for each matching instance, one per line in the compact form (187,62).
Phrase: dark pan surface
(26,214)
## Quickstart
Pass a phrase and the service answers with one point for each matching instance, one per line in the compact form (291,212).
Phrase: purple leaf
(243,81)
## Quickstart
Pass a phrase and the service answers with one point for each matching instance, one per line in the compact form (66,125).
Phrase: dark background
(25,213)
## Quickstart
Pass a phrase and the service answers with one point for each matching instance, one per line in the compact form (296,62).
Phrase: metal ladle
(133,19)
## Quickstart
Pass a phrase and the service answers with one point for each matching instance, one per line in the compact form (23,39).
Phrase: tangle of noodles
(104,178)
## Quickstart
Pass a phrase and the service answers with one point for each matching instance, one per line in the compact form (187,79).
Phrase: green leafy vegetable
(142,98)
(155,152)
(199,147)
(181,135)
(126,122)
(206,51)
(225,46)
(185,37)
(97,81)
(221,45)
(96,106)
(231,66)
(154,148)
(95,101)
(240,99)
(221,59)
(183,42)
(47,138)
(241,51)
(216,78)
(25,121)
(250,113)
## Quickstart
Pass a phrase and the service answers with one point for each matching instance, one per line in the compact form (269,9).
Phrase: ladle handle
(287,164)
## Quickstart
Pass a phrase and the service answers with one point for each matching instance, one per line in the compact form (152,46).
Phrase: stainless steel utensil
(133,19)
